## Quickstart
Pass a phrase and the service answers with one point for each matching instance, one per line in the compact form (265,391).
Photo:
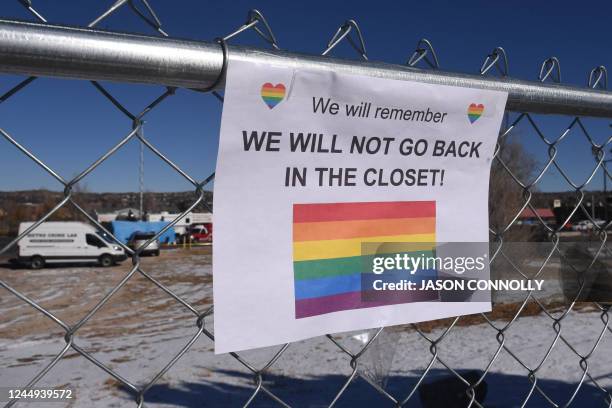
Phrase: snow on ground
(142,328)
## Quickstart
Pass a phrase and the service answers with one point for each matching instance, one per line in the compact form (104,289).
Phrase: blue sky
(68,124)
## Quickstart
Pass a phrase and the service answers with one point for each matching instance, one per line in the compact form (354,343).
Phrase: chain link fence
(425,57)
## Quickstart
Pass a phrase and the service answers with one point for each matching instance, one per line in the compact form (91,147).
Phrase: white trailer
(184,222)
(66,242)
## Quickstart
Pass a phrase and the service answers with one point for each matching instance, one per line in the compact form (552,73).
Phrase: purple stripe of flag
(352,300)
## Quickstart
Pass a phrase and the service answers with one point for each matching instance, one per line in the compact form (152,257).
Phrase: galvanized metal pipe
(57,51)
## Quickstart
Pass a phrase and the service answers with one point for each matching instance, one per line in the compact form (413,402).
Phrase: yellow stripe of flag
(272,93)
(342,248)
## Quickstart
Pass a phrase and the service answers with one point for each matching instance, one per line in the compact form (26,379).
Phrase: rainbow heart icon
(474,112)
(272,95)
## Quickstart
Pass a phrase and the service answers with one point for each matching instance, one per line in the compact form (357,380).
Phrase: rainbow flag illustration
(328,253)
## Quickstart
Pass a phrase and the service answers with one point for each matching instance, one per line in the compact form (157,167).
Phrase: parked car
(66,242)
(599,223)
(588,225)
(584,225)
(139,238)
(200,232)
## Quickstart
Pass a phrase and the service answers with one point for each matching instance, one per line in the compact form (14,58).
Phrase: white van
(63,242)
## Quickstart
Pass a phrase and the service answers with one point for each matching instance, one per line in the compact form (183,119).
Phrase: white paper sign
(311,164)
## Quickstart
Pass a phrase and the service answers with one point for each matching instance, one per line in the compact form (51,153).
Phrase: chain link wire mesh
(425,57)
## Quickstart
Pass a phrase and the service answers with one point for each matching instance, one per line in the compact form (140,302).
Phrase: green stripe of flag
(321,268)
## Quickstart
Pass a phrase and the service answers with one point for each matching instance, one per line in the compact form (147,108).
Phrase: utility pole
(605,175)
(605,183)
(141,179)
(605,187)
(141,176)
(604,167)
(605,198)
(140,135)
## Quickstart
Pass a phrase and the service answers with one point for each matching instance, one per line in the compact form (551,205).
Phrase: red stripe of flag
(363,211)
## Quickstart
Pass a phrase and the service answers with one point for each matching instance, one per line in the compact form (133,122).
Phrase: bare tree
(506,196)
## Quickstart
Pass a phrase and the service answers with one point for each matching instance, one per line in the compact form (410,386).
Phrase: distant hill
(107,202)
(30,205)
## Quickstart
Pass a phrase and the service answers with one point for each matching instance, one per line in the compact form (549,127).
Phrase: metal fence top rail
(59,51)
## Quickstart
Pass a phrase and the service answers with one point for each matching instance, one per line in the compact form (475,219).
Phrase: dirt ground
(70,292)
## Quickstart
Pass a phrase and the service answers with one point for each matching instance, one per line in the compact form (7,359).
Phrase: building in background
(189,219)
(529,217)
(125,214)
(180,228)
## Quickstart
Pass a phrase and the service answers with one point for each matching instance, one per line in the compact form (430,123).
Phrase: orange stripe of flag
(314,231)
